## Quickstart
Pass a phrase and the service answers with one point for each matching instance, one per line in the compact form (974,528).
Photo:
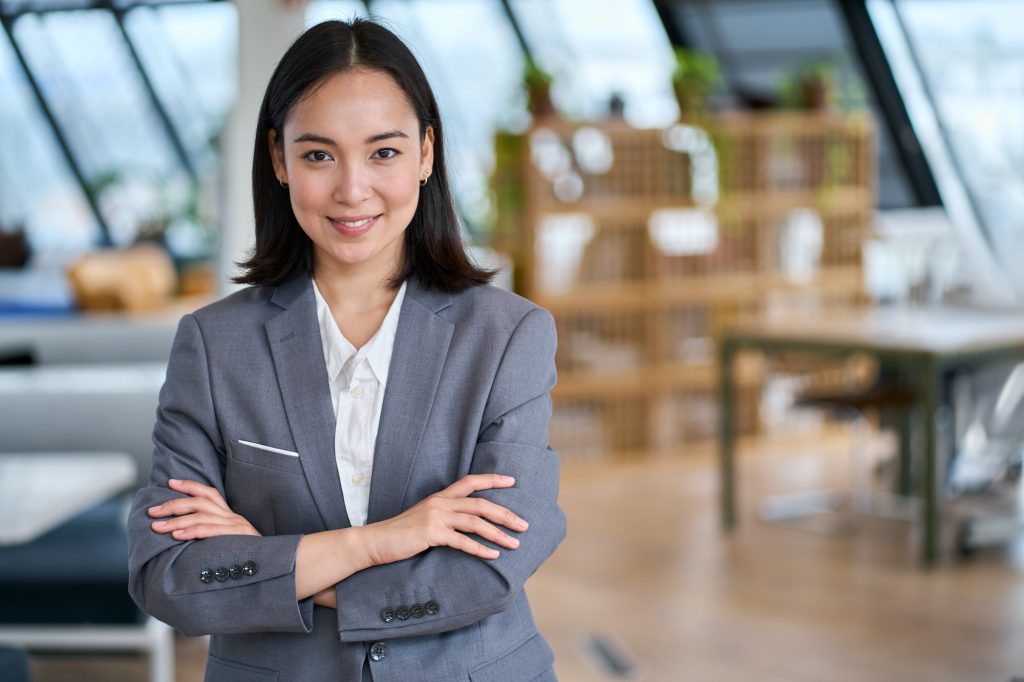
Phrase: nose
(352,185)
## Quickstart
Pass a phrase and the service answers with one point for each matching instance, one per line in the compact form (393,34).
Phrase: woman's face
(352,158)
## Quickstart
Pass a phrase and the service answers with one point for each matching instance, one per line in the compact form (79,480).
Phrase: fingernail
(515,542)
(174,481)
(509,479)
(159,523)
(521,523)
(494,553)
(155,508)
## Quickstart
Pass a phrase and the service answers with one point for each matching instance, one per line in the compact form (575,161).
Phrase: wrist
(363,549)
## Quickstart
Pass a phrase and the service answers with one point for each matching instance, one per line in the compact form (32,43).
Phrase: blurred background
(781,240)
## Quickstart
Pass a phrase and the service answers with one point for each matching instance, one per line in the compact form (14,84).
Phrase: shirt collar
(338,350)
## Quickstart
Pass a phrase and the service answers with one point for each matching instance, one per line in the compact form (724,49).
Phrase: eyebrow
(320,139)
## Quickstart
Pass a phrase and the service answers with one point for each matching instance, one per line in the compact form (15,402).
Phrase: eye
(319,155)
(386,153)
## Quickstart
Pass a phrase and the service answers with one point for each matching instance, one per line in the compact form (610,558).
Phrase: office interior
(781,242)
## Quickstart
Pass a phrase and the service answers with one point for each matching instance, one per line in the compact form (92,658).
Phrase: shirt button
(358,479)
(357,391)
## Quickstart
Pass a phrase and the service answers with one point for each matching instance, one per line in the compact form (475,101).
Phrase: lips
(353,226)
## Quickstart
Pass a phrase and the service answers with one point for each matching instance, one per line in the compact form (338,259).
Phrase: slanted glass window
(37,189)
(971,61)
(597,48)
(189,53)
(85,72)
(761,45)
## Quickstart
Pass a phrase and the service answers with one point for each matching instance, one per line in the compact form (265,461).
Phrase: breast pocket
(267,486)
(266,456)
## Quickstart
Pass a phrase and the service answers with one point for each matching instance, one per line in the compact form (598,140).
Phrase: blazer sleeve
(513,440)
(166,576)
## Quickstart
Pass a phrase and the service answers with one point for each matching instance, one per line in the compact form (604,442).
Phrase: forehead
(356,100)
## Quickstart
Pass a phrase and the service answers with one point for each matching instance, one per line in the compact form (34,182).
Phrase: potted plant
(14,247)
(812,87)
(537,82)
(693,78)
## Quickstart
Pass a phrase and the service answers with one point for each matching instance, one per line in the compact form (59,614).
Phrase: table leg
(727,434)
(928,383)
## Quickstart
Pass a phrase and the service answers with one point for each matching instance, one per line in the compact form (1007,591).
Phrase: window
(960,67)
(597,48)
(38,191)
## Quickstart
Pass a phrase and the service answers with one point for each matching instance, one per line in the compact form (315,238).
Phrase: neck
(355,290)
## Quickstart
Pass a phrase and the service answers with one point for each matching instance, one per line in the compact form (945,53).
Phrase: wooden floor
(646,571)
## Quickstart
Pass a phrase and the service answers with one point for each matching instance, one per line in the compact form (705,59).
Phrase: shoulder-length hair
(433,248)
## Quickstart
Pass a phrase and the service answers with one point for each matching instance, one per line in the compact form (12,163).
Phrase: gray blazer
(468,392)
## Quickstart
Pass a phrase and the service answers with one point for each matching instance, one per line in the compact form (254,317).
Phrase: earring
(423,180)
(283,183)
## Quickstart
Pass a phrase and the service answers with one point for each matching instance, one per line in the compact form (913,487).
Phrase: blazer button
(221,574)
(432,607)
(205,575)
(402,613)
(379,651)
(387,615)
(417,610)
(235,572)
(250,568)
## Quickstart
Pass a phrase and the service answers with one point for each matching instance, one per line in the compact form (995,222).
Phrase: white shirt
(357,380)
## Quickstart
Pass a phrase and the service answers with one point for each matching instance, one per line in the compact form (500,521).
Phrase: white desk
(933,343)
(39,491)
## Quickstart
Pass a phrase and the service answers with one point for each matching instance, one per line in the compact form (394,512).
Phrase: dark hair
(433,249)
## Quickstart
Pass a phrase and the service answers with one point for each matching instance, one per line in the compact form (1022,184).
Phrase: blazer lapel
(421,346)
(294,337)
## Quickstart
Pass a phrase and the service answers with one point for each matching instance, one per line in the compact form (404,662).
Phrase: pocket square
(267,448)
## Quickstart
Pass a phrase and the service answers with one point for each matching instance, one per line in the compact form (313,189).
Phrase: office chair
(985,471)
(852,405)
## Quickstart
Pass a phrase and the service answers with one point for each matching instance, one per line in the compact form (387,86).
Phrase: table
(933,343)
(40,490)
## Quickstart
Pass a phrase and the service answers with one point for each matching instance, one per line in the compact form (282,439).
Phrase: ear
(427,152)
(277,157)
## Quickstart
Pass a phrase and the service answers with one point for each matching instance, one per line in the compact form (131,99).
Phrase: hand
(203,514)
(328,598)
(443,518)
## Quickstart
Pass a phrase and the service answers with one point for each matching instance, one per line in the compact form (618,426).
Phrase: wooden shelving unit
(644,243)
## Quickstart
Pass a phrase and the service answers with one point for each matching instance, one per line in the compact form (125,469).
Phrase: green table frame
(930,344)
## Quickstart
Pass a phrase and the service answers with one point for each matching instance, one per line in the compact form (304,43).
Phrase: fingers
(202,531)
(467,485)
(492,512)
(478,506)
(200,525)
(185,505)
(468,545)
(196,489)
(469,523)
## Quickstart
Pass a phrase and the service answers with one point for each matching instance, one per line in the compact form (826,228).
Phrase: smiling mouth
(354,227)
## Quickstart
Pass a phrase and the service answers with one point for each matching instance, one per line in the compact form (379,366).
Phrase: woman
(349,453)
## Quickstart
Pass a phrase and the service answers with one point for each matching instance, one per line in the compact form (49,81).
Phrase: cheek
(308,193)
(402,192)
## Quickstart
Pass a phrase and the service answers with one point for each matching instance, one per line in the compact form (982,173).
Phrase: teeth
(357,223)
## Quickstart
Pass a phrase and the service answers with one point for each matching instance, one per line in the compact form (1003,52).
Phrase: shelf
(701,289)
(739,205)
(655,378)
(638,308)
